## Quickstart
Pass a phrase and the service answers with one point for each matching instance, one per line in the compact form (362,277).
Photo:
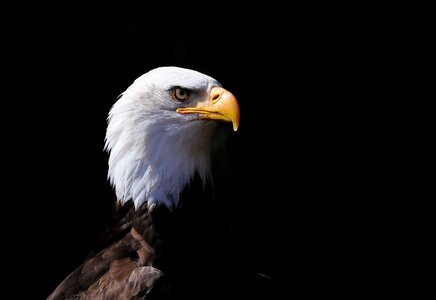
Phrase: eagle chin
(158,139)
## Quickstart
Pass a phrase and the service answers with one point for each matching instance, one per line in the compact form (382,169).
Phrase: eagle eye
(181,94)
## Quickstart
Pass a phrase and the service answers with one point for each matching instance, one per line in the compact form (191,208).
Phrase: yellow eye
(181,94)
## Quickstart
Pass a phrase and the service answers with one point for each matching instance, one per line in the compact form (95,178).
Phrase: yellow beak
(222,106)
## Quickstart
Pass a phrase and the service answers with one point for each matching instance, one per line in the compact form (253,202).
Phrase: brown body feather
(152,253)
(160,253)
(123,266)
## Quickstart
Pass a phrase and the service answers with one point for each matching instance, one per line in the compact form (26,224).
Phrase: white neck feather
(152,160)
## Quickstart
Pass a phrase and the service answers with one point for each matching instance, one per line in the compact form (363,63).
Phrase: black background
(287,179)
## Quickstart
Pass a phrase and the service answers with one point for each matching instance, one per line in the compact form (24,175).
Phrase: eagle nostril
(216,97)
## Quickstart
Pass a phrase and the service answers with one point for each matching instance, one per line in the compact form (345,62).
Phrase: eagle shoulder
(121,266)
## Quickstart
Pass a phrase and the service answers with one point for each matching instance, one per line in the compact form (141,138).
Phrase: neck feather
(156,164)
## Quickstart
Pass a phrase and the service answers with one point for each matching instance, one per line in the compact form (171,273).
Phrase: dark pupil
(182,93)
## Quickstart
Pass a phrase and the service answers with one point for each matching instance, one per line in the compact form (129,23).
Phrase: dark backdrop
(282,178)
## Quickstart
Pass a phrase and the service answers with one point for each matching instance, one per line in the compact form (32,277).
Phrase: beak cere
(222,106)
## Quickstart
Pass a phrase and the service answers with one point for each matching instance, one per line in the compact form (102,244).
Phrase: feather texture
(123,266)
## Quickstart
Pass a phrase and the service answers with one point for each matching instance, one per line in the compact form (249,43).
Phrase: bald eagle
(159,142)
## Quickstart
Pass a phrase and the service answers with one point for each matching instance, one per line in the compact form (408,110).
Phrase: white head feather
(155,151)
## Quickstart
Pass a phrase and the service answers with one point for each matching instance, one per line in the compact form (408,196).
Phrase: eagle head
(159,133)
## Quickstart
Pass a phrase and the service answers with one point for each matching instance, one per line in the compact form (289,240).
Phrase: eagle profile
(159,141)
